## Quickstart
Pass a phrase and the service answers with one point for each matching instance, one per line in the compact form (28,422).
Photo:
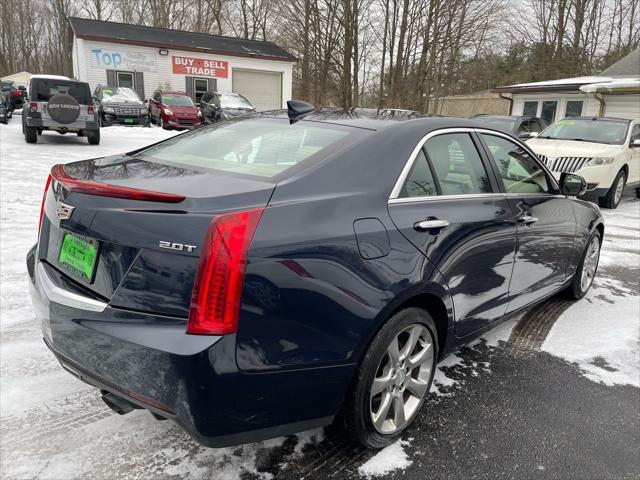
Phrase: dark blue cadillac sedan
(280,271)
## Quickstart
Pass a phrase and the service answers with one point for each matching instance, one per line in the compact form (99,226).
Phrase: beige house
(613,93)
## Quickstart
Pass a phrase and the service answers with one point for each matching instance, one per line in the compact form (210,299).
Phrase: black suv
(521,127)
(59,104)
(119,105)
(216,106)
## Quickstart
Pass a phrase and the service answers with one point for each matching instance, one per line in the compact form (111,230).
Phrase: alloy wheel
(619,189)
(402,379)
(590,263)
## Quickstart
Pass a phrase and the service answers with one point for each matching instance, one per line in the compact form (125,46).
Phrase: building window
(125,79)
(548,113)
(200,85)
(574,108)
(530,109)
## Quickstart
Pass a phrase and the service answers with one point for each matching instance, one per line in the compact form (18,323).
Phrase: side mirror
(533,134)
(572,185)
(22,88)
(635,143)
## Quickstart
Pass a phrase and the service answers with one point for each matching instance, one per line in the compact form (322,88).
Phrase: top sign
(200,67)
(122,60)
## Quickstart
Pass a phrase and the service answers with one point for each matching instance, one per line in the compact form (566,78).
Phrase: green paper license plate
(128,120)
(78,255)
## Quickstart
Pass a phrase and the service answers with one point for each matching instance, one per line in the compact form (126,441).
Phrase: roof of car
(372,119)
(513,117)
(596,119)
(49,77)
(176,39)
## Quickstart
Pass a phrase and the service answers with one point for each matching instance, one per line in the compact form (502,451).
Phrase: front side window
(259,147)
(519,171)
(635,133)
(457,164)
(530,109)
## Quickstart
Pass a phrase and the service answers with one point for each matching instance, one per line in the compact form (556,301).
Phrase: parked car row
(59,104)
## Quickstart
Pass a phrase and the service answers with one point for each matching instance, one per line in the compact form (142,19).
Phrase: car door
(448,206)
(545,221)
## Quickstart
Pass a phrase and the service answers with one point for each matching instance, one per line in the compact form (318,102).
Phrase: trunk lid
(146,252)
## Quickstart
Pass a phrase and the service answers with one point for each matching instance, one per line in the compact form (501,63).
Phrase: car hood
(121,101)
(571,148)
(182,110)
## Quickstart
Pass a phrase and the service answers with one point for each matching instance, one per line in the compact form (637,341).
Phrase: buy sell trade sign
(200,67)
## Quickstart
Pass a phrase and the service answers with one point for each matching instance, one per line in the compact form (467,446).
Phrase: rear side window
(45,89)
(260,147)
(458,167)
(419,182)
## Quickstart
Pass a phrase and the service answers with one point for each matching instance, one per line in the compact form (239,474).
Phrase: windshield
(120,94)
(588,130)
(234,101)
(502,123)
(261,147)
(177,100)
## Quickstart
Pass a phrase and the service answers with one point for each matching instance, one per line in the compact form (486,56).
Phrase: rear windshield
(45,89)
(261,147)
(177,100)
(588,130)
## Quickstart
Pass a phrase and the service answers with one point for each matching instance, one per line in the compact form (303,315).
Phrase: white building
(613,93)
(146,58)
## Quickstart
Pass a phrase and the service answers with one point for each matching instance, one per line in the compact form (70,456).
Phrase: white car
(605,151)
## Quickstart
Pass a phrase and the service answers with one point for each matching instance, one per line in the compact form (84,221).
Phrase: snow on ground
(389,459)
(601,333)
(62,427)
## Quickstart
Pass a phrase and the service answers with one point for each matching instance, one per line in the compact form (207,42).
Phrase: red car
(174,110)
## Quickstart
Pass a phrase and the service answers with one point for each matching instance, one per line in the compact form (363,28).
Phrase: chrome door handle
(527,219)
(431,224)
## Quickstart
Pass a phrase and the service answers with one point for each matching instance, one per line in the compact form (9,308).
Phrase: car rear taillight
(105,190)
(33,106)
(44,198)
(215,301)
(90,109)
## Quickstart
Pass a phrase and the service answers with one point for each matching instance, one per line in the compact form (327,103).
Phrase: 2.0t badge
(64,211)
(177,246)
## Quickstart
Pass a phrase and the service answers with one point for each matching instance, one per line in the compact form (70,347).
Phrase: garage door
(622,106)
(263,89)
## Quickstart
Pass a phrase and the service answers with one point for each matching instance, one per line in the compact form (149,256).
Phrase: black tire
(30,134)
(355,416)
(611,200)
(39,131)
(575,290)
(162,124)
(638,192)
(9,114)
(4,120)
(93,136)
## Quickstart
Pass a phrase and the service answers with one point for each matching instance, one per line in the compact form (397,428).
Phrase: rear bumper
(50,125)
(192,379)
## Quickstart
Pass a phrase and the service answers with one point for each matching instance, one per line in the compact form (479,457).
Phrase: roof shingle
(176,39)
